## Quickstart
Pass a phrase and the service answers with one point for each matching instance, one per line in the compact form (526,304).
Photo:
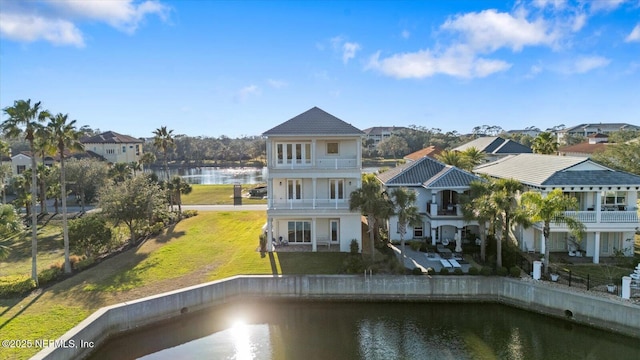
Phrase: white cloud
(556,4)
(456,61)
(584,64)
(57,21)
(349,50)
(277,84)
(578,22)
(605,5)
(634,35)
(247,91)
(490,30)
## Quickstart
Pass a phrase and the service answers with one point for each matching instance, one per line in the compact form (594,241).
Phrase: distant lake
(209,175)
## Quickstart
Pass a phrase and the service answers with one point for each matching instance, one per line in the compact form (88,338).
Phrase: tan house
(114,147)
(22,161)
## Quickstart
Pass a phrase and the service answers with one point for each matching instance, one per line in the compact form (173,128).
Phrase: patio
(417,259)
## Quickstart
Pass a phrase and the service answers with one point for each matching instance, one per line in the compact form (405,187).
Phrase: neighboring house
(607,202)
(495,147)
(430,151)
(379,133)
(530,132)
(592,129)
(438,188)
(22,161)
(114,147)
(314,162)
(595,143)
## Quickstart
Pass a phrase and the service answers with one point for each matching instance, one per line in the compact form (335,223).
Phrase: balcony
(321,163)
(590,217)
(452,210)
(309,204)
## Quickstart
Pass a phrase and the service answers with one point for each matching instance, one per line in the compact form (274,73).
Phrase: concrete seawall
(612,315)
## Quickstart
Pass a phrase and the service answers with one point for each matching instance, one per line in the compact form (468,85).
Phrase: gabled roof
(314,121)
(427,172)
(431,151)
(110,137)
(601,126)
(551,170)
(495,145)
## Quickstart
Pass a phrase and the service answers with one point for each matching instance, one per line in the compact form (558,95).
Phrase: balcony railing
(582,216)
(451,210)
(303,204)
(321,163)
(587,217)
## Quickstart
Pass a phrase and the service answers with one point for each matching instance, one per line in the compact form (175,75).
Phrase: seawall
(613,315)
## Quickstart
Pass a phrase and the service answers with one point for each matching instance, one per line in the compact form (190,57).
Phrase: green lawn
(50,251)
(210,246)
(217,195)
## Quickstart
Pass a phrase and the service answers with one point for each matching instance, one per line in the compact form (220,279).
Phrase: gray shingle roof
(110,137)
(551,170)
(314,121)
(495,145)
(427,172)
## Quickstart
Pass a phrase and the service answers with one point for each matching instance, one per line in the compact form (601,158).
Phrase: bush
(502,271)
(15,285)
(444,271)
(189,213)
(431,271)
(156,229)
(415,246)
(354,248)
(263,242)
(416,271)
(89,235)
(49,275)
(473,271)
(457,271)
(74,260)
(514,271)
(84,263)
(354,264)
(424,247)
(486,271)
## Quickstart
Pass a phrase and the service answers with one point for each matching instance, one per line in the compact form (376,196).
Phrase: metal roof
(427,172)
(314,121)
(110,137)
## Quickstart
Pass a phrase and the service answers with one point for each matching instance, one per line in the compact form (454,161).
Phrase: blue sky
(241,67)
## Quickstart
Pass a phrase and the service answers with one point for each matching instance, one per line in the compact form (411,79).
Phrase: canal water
(337,330)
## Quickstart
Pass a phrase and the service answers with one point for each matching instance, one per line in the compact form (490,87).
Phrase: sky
(236,68)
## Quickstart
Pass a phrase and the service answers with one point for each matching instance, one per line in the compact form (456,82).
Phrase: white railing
(336,163)
(619,217)
(309,204)
(582,216)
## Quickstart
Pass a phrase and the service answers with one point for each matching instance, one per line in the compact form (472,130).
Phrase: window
(332,148)
(21,168)
(293,153)
(124,149)
(334,226)
(418,232)
(110,151)
(299,231)
(280,151)
(336,189)
(294,189)
(614,198)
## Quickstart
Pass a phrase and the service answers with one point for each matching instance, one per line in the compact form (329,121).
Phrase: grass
(217,195)
(50,251)
(210,246)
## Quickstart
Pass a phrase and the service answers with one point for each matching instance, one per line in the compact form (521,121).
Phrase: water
(218,175)
(330,330)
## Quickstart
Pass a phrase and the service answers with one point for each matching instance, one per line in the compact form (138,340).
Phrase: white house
(314,162)
(593,128)
(114,147)
(438,187)
(607,202)
(22,161)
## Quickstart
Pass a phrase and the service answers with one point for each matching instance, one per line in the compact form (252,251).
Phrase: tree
(22,114)
(89,235)
(120,172)
(178,187)
(86,177)
(545,143)
(370,201)
(623,136)
(473,157)
(503,197)
(551,209)
(453,158)
(478,205)
(10,223)
(394,145)
(5,150)
(44,147)
(21,185)
(622,156)
(135,202)
(403,202)
(147,159)
(163,140)
(64,136)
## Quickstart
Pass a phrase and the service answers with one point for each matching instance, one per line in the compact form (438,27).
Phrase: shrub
(89,235)
(431,271)
(354,248)
(473,271)
(416,271)
(354,264)
(263,242)
(15,285)
(424,247)
(514,271)
(486,271)
(74,260)
(444,271)
(415,246)
(189,213)
(84,263)
(502,271)
(156,229)
(457,271)
(49,275)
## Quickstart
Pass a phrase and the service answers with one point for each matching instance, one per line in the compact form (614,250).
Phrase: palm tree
(551,209)
(5,150)
(164,141)
(147,159)
(135,167)
(65,137)
(178,187)
(545,143)
(44,147)
(371,203)
(10,223)
(407,212)
(474,157)
(22,114)
(479,206)
(120,172)
(504,199)
(453,158)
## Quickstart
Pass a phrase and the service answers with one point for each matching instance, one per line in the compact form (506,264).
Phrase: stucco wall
(613,315)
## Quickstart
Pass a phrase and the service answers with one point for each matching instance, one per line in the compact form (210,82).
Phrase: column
(269,192)
(596,250)
(269,234)
(359,153)
(314,243)
(598,206)
(313,152)
(314,181)
(433,236)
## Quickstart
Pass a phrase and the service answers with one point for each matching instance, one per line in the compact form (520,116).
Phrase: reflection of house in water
(438,188)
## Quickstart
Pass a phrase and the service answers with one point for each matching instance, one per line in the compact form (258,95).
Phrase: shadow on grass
(21,247)
(169,235)
(25,307)
(274,266)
